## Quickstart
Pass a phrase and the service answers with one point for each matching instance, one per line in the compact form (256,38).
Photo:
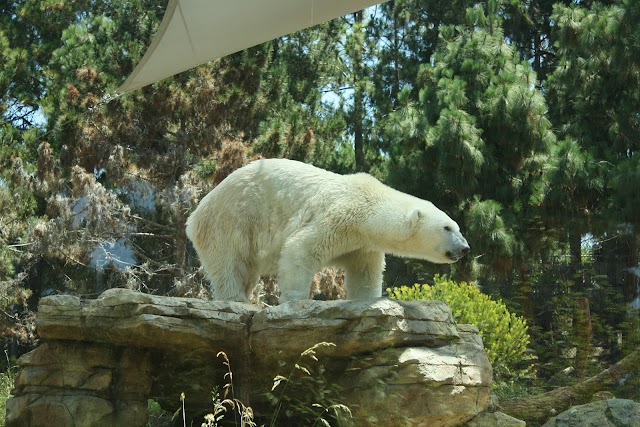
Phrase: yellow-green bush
(6,384)
(504,333)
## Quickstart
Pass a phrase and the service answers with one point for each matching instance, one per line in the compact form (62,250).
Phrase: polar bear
(277,216)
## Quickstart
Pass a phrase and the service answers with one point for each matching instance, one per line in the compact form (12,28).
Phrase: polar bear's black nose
(456,255)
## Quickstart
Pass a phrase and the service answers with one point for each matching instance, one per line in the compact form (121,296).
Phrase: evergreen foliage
(485,138)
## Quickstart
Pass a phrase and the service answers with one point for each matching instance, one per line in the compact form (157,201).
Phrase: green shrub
(158,417)
(504,333)
(6,384)
(206,168)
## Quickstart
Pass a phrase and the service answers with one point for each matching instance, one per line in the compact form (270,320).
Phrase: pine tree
(594,101)
(300,123)
(477,139)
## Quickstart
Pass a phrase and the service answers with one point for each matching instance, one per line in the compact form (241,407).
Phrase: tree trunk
(358,96)
(526,295)
(630,289)
(395,87)
(582,322)
(181,244)
(575,251)
(538,409)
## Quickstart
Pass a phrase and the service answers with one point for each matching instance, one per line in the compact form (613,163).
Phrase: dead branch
(535,410)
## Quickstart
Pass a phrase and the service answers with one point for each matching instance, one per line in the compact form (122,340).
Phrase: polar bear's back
(284,185)
(281,193)
(258,206)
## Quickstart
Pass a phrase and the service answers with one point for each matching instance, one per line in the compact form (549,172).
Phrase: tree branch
(538,409)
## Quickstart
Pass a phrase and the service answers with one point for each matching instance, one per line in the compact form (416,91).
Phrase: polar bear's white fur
(286,217)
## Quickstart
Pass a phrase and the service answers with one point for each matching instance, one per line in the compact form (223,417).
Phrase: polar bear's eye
(447,228)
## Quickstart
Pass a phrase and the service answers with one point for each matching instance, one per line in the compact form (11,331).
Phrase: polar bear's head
(434,236)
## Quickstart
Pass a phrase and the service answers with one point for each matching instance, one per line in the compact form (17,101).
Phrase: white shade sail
(194,32)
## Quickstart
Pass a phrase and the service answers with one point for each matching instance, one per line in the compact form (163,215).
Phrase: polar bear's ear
(414,218)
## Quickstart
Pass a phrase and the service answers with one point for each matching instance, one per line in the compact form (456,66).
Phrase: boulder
(603,413)
(396,363)
(494,419)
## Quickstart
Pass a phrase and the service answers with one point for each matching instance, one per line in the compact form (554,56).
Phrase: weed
(222,405)
(305,382)
(7,380)
(304,395)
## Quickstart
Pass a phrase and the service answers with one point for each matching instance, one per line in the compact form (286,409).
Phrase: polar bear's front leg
(296,269)
(363,274)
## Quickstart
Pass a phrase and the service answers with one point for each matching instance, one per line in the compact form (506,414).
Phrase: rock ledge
(399,363)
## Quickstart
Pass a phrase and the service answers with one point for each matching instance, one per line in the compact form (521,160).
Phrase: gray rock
(603,413)
(495,419)
(354,326)
(124,317)
(398,363)
(443,386)
(64,384)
